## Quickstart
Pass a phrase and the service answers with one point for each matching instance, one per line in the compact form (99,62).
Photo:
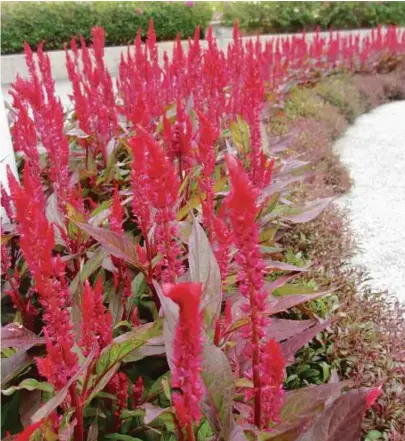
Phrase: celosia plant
(139,263)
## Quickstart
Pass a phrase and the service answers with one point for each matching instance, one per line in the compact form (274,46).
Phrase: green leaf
(204,431)
(204,269)
(121,437)
(111,357)
(288,290)
(373,435)
(29,384)
(118,245)
(138,285)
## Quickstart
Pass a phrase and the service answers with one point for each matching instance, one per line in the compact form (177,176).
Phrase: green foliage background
(294,16)
(56,22)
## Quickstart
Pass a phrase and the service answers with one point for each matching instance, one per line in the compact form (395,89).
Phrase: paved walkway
(374,151)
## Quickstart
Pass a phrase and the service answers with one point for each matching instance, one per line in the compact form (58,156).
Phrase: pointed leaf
(340,421)
(29,384)
(170,317)
(15,335)
(305,212)
(301,407)
(153,347)
(93,431)
(153,412)
(14,365)
(204,269)
(118,245)
(111,356)
(288,290)
(279,304)
(281,329)
(121,437)
(282,266)
(291,346)
(220,387)
(280,281)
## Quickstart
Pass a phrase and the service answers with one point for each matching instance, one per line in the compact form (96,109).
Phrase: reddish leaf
(204,269)
(281,329)
(15,335)
(305,212)
(153,412)
(282,266)
(12,366)
(279,304)
(119,246)
(301,407)
(291,346)
(280,281)
(219,383)
(341,420)
(280,184)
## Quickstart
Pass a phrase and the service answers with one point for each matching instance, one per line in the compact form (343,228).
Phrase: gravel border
(373,149)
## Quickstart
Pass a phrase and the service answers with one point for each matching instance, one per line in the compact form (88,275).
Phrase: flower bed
(143,275)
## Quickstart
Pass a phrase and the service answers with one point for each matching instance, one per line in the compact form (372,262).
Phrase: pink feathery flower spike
(96,327)
(242,209)
(117,213)
(186,375)
(37,242)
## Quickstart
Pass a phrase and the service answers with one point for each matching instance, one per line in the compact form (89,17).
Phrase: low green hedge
(56,22)
(294,16)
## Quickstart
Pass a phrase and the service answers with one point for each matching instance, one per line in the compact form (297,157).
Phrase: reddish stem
(78,404)
(179,428)
(255,359)
(17,298)
(217,334)
(190,432)
(149,276)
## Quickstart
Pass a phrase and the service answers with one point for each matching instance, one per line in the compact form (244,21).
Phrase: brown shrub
(342,93)
(305,103)
(371,90)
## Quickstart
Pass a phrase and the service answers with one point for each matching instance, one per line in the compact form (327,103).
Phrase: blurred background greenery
(56,22)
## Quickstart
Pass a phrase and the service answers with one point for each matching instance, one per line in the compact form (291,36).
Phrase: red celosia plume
(187,347)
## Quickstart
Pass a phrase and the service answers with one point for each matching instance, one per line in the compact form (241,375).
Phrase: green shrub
(293,16)
(56,22)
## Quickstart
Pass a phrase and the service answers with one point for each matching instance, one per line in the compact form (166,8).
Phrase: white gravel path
(373,149)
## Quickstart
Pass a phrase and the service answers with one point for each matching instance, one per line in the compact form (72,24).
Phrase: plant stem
(255,360)
(149,275)
(179,429)
(190,432)
(77,403)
